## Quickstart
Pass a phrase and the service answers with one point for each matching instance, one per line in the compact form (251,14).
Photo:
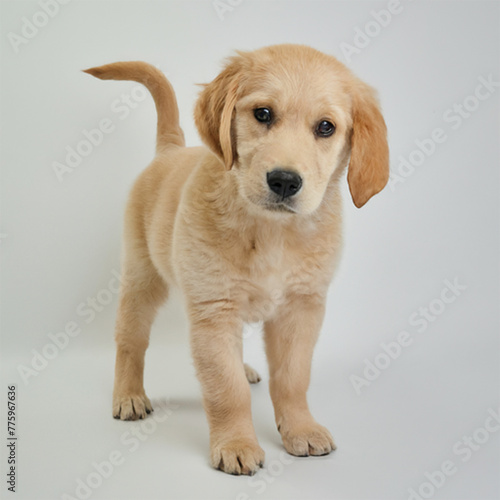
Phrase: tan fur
(201,219)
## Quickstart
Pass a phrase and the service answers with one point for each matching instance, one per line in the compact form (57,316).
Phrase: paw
(308,439)
(252,376)
(237,456)
(131,407)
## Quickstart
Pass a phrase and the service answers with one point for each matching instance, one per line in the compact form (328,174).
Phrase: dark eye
(325,128)
(263,115)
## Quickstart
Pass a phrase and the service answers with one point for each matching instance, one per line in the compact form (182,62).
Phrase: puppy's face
(290,116)
(292,134)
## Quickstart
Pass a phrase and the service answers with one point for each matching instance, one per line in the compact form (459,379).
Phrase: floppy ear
(368,171)
(214,112)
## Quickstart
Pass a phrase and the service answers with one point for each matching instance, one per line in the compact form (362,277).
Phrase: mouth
(275,204)
(280,207)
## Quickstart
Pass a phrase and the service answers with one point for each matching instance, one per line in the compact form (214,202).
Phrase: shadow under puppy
(249,229)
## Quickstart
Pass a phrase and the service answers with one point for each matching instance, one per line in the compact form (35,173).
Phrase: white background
(60,245)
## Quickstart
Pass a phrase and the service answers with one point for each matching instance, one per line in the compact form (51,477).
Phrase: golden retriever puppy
(249,229)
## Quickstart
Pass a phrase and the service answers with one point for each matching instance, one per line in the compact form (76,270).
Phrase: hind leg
(143,291)
(252,375)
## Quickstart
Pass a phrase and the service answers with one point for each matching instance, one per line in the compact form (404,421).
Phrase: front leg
(216,343)
(290,338)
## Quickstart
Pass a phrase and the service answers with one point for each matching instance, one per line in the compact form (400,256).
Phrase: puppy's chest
(262,282)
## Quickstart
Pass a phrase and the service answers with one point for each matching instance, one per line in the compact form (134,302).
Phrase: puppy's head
(287,119)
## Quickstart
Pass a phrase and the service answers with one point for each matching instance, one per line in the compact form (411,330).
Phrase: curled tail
(168,128)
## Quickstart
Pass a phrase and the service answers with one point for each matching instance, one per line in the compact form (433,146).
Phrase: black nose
(284,183)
